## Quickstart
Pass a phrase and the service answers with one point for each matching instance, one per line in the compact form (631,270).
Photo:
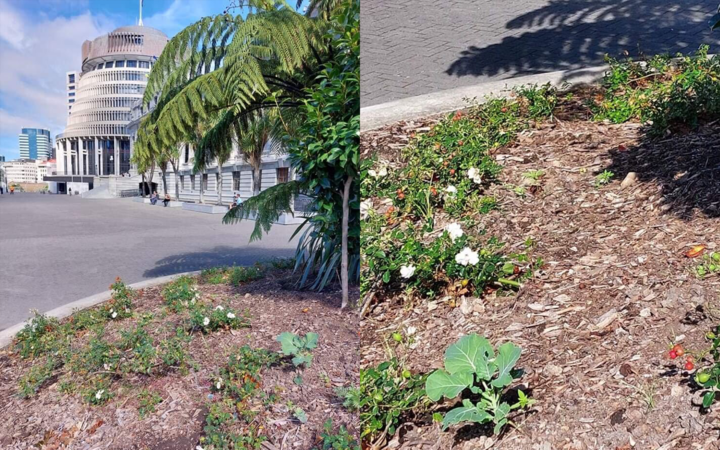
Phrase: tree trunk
(219,186)
(202,187)
(164,179)
(150,178)
(177,180)
(344,256)
(257,181)
(142,191)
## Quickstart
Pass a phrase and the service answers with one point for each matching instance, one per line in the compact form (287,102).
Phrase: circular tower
(115,69)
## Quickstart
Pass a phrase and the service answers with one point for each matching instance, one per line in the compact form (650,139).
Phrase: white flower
(382,172)
(114,315)
(454,230)
(467,256)
(199,448)
(230,315)
(410,331)
(206,321)
(99,394)
(407,271)
(474,174)
(372,173)
(219,383)
(451,190)
(219,307)
(107,367)
(365,207)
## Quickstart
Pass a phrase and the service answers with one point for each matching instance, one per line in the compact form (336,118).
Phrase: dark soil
(616,288)
(52,420)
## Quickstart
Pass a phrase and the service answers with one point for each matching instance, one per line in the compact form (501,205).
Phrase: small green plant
(340,440)
(120,304)
(38,374)
(283,263)
(181,294)
(147,401)
(708,378)
(350,396)
(98,391)
(241,377)
(710,265)
(472,364)
(299,347)
(222,429)
(300,415)
(603,178)
(214,275)
(388,394)
(534,175)
(240,275)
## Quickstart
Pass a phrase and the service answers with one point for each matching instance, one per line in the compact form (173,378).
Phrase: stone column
(81,164)
(98,152)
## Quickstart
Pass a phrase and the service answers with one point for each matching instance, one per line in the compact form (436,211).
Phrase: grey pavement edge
(7,335)
(445,101)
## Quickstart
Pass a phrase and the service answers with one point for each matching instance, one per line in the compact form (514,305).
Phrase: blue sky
(40,40)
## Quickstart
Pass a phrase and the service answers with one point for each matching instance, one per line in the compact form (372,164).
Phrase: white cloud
(35,54)
(182,13)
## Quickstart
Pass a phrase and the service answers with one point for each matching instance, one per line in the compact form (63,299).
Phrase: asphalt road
(56,249)
(415,47)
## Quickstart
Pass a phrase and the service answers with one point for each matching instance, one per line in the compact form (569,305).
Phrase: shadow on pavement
(569,34)
(218,256)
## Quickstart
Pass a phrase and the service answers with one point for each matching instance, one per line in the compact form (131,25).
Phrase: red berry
(678,349)
(673,355)
(689,365)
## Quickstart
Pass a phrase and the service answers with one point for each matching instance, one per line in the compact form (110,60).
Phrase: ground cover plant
(607,209)
(191,363)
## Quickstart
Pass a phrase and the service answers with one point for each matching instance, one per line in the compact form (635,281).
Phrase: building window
(132,63)
(72,88)
(144,64)
(71,78)
(192,182)
(182,182)
(205,182)
(283,175)
(71,94)
(100,66)
(187,153)
(236,180)
(119,63)
(109,65)
(72,100)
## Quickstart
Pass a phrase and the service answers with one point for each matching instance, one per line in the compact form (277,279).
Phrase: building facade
(21,171)
(114,74)
(35,143)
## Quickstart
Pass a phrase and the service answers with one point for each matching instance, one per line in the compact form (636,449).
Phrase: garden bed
(605,217)
(115,401)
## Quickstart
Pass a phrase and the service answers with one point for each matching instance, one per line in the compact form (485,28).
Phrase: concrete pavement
(56,249)
(416,47)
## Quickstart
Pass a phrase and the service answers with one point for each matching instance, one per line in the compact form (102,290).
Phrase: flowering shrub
(208,318)
(120,304)
(241,377)
(180,293)
(443,179)
(662,91)
(38,374)
(707,376)
(37,336)
(98,391)
(472,364)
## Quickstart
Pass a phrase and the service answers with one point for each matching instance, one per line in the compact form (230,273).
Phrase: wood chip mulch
(51,420)
(594,324)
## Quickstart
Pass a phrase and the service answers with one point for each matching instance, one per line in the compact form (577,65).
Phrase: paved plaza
(415,47)
(56,249)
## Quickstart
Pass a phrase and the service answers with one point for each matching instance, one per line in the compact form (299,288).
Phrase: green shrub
(389,394)
(147,402)
(340,440)
(214,275)
(240,275)
(708,377)
(223,431)
(241,377)
(472,364)
(38,374)
(710,265)
(37,336)
(208,318)
(180,293)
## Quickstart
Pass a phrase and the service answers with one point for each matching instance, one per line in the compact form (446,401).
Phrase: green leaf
(441,383)
(500,418)
(287,343)
(708,399)
(312,340)
(470,355)
(466,413)
(508,355)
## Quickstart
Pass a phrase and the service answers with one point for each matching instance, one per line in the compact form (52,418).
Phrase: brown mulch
(595,322)
(51,420)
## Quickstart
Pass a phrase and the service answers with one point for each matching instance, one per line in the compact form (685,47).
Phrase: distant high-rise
(35,143)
